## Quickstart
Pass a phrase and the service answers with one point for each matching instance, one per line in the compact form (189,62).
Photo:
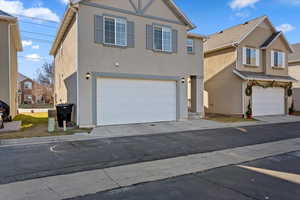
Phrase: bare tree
(46,74)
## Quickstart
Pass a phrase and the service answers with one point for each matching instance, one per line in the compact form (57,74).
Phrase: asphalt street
(272,178)
(34,161)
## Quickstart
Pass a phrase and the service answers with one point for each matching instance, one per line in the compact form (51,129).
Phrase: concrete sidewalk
(190,125)
(77,184)
(102,132)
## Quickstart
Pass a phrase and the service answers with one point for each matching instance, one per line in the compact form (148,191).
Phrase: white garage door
(268,101)
(125,101)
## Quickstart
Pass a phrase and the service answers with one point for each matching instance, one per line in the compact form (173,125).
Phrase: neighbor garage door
(268,101)
(125,101)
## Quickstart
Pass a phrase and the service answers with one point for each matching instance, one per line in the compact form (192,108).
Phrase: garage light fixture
(88,76)
(183,80)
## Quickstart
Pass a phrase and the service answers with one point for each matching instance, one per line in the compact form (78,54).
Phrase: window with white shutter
(278,59)
(251,56)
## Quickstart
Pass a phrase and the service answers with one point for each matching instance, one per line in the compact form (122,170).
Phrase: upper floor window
(27,85)
(190,45)
(115,31)
(278,59)
(251,56)
(162,38)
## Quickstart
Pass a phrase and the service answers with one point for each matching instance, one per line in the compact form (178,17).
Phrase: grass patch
(229,119)
(296,113)
(32,119)
(36,125)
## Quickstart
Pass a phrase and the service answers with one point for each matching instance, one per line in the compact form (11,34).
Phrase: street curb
(69,138)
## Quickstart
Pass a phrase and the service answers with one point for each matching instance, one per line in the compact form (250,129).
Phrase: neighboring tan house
(246,70)
(128,61)
(31,92)
(294,70)
(10,44)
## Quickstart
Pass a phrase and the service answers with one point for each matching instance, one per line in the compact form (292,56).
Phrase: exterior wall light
(183,80)
(117,64)
(88,76)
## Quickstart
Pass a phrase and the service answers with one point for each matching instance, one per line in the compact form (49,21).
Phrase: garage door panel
(122,101)
(268,101)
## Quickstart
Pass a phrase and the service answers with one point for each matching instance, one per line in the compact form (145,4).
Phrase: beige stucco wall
(8,67)
(278,45)
(65,87)
(13,75)
(294,71)
(223,88)
(98,58)
(255,40)
(4,62)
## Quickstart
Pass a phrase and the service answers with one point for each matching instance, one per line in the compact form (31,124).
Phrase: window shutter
(283,60)
(257,57)
(149,37)
(194,51)
(98,29)
(130,35)
(244,55)
(175,41)
(272,58)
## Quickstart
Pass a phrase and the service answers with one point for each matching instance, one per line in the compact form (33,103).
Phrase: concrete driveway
(190,125)
(279,119)
(163,127)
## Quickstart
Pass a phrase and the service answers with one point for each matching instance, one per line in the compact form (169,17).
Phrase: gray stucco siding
(98,58)
(4,63)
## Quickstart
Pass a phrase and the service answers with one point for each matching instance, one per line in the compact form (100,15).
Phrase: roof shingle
(231,35)
(295,57)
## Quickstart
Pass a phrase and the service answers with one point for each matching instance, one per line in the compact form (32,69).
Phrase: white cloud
(35,47)
(64,1)
(285,27)
(26,43)
(16,7)
(239,4)
(33,57)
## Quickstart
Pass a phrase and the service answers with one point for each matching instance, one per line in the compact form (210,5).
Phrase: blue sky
(209,17)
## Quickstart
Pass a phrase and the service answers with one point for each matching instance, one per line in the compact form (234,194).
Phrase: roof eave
(197,36)
(187,21)
(61,30)
(262,79)
(222,47)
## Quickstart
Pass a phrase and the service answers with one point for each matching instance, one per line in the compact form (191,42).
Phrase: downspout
(9,65)
(236,45)
(76,63)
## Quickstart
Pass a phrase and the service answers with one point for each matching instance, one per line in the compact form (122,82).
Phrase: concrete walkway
(190,125)
(72,185)
(147,129)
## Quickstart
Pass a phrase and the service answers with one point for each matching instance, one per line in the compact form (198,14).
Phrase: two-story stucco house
(128,61)
(246,70)
(294,70)
(10,44)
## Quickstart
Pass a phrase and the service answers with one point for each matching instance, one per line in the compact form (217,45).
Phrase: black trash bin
(64,113)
